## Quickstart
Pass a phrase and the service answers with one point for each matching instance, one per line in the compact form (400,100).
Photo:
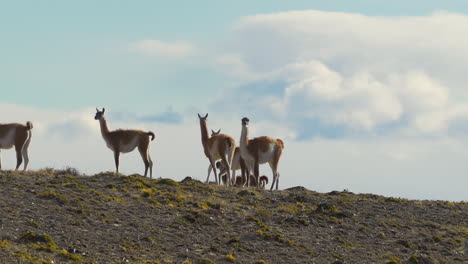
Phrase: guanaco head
(99,114)
(219,165)
(203,118)
(263,181)
(215,132)
(245,121)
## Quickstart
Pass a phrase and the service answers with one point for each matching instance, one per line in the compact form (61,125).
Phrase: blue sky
(355,88)
(62,49)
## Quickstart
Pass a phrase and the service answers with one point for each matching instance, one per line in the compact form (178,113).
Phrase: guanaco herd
(220,149)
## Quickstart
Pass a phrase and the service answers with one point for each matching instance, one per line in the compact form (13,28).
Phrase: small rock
(187,179)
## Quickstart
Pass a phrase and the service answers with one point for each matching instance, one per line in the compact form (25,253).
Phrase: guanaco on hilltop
(17,135)
(260,150)
(219,146)
(124,141)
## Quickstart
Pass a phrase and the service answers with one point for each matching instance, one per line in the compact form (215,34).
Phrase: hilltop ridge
(61,216)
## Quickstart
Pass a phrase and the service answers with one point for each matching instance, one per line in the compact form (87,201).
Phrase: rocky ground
(54,216)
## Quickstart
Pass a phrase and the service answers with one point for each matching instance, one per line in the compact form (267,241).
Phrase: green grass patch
(39,241)
(169,182)
(70,256)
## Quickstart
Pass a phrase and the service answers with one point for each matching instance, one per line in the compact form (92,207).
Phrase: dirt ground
(52,216)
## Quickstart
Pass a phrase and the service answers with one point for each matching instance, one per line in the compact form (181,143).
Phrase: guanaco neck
(104,128)
(204,132)
(244,140)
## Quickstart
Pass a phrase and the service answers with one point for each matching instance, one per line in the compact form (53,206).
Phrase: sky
(368,96)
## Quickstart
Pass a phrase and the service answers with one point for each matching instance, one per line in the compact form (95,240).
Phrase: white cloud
(235,66)
(356,72)
(359,101)
(159,48)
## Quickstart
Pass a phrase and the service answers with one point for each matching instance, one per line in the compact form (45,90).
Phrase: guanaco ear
(97,110)
(103,110)
(218,131)
(199,116)
(212,132)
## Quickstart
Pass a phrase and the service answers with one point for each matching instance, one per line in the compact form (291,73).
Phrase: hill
(52,216)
